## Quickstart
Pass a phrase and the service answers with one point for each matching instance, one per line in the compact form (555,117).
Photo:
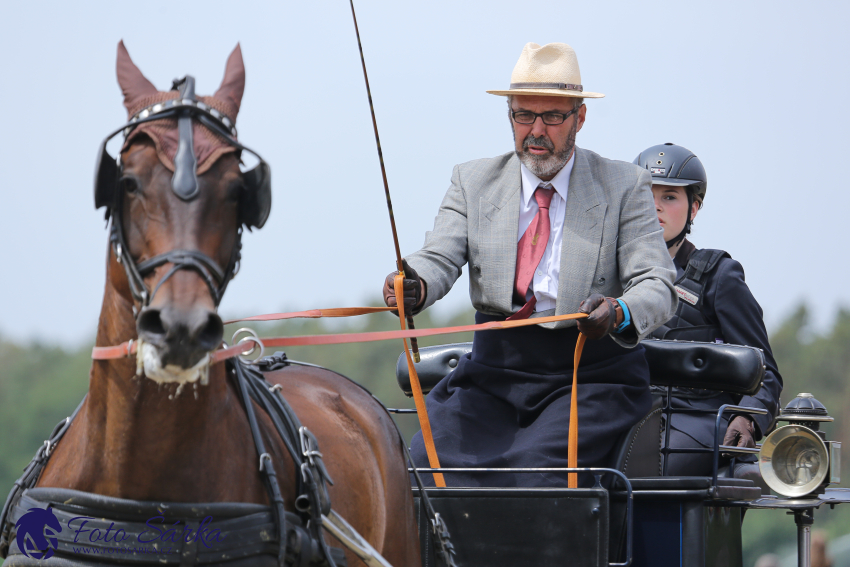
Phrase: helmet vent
(661,153)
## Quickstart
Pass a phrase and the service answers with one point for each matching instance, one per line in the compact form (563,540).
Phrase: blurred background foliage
(41,384)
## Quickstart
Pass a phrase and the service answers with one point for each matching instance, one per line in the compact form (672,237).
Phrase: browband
(562,86)
(178,103)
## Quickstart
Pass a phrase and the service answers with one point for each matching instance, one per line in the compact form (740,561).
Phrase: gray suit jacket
(612,243)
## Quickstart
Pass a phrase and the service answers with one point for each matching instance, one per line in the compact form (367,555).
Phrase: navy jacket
(729,304)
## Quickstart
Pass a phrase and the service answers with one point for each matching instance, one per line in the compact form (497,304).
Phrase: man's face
(544,149)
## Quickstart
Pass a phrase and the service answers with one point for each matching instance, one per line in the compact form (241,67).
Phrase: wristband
(627,317)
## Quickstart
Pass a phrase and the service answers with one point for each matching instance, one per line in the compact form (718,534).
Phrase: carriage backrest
(727,368)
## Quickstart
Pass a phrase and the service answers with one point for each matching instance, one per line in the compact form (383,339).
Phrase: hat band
(561,86)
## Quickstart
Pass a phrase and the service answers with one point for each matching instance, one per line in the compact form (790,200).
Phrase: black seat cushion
(726,368)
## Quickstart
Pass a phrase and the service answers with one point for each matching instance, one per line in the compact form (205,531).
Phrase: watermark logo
(37,531)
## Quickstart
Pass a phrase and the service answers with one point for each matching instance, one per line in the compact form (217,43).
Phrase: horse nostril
(210,334)
(150,323)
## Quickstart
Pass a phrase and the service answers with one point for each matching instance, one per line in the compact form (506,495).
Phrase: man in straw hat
(547,229)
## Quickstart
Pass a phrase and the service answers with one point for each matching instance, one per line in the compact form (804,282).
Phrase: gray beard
(546,166)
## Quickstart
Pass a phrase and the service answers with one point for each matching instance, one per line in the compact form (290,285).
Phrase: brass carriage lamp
(796,460)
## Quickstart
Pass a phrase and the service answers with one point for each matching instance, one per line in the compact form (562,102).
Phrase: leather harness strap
(418,397)
(315,314)
(129,347)
(572,442)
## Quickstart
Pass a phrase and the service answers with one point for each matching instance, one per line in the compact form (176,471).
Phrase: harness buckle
(309,445)
(263,457)
(445,548)
(48,447)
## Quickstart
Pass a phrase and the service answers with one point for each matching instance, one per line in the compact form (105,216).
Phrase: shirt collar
(561,181)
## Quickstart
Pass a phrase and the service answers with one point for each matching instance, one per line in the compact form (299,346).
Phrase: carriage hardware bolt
(275,388)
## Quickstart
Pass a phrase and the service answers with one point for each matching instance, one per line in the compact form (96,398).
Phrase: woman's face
(671,205)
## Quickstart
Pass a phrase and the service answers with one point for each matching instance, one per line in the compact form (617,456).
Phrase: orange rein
(128,348)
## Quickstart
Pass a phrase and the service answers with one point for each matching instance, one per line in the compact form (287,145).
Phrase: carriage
(642,516)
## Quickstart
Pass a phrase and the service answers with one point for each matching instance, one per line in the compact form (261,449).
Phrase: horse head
(178,201)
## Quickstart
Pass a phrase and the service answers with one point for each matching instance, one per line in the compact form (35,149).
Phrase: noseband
(254,207)
(209,270)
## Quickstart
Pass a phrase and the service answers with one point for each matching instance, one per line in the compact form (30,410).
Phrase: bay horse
(179,204)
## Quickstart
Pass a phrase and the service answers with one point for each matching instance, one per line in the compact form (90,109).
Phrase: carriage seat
(728,368)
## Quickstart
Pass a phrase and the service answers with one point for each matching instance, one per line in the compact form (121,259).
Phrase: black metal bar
(717,442)
(669,451)
(668,413)
(804,520)
(401,410)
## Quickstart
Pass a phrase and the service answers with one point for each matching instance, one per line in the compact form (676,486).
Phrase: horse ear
(233,84)
(133,84)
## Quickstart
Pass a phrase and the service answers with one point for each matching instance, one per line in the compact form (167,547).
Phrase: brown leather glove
(414,295)
(740,433)
(602,316)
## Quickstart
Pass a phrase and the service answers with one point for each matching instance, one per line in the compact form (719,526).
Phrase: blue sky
(756,89)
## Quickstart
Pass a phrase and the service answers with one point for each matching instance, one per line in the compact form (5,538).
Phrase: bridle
(209,270)
(255,205)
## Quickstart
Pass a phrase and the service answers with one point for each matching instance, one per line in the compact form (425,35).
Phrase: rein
(129,347)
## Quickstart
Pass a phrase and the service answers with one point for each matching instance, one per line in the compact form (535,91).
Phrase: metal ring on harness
(252,337)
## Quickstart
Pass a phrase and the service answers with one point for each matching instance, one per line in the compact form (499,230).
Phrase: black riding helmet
(676,166)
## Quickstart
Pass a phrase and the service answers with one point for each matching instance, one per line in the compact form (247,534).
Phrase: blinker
(255,203)
(105,179)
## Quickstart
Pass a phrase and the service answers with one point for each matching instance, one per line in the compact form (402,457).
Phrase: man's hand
(740,433)
(414,294)
(602,317)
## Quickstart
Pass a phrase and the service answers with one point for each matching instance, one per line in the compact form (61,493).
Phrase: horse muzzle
(181,338)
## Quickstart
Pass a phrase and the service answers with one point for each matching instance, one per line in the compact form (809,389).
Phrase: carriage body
(641,517)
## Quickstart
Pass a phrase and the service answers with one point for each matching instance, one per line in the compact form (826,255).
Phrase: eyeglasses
(549,118)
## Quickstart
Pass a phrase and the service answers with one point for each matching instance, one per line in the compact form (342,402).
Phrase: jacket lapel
(583,222)
(499,222)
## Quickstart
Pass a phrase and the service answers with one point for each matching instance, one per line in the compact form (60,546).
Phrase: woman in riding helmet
(715,305)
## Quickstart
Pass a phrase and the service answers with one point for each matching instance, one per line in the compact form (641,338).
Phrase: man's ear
(580,116)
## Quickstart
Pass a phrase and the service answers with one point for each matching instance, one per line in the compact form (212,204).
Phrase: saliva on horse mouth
(149,362)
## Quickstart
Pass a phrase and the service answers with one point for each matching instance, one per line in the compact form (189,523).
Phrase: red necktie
(530,250)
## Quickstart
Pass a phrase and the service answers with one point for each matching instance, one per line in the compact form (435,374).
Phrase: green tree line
(41,384)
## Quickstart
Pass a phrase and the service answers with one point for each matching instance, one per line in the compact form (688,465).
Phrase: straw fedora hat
(548,70)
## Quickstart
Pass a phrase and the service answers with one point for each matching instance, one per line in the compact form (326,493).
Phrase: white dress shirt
(544,284)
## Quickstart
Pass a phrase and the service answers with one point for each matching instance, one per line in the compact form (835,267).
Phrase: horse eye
(235,191)
(128,185)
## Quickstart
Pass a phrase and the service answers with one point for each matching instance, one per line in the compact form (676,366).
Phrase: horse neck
(142,440)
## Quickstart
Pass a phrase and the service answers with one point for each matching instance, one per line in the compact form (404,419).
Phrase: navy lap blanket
(507,404)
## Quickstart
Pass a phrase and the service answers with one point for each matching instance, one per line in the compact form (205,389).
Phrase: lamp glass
(793,461)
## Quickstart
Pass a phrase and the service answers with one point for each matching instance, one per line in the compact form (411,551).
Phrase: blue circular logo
(37,530)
